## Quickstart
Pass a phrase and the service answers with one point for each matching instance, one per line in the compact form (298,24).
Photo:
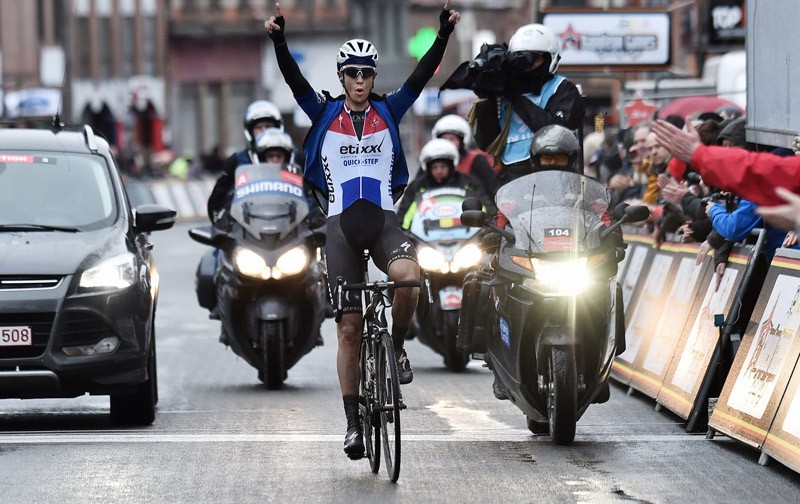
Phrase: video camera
(489,71)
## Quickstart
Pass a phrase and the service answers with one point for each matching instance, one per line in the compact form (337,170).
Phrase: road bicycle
(380,399)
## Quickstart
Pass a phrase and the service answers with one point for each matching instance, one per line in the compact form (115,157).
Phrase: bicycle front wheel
(368,404)
(390,405)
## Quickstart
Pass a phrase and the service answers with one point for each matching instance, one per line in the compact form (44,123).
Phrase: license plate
(450,298)
(16,336)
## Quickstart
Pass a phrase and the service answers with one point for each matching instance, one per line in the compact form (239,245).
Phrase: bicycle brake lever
(428,288)
(339,307)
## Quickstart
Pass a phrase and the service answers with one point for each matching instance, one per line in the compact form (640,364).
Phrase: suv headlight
(563,278)
(118,272)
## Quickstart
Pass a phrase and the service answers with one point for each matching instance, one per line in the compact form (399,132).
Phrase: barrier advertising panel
(654,357)
(783,439)
(696,345)
(646,311)
(638,257)
(637,260)
(763,367)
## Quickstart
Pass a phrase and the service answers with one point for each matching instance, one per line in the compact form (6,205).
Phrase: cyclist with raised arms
(356,165)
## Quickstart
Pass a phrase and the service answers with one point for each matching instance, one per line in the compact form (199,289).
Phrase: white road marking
(111,437)
(465,421)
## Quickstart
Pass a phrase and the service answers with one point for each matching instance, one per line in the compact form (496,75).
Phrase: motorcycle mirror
(636,213)
(471,203)
(207,236)
(202,235)
(619,211)
(473,218)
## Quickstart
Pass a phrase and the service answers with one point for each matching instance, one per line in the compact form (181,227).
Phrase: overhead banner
(612,38)
(749,404)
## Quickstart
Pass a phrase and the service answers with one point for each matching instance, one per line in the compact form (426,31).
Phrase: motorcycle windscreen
(438,215)
(268,199)
(555,211)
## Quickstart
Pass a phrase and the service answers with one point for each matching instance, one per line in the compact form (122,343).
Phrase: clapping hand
(782,216)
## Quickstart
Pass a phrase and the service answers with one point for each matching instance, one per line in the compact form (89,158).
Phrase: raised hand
(681,144)
(276,26)
(448,20)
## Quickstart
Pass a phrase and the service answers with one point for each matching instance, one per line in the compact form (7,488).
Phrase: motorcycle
(266,282)
(548,314)
(445,249)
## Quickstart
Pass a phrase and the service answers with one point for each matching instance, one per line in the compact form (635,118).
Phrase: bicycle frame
(379,389)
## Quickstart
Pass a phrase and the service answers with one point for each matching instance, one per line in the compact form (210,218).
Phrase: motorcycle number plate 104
(450,298)
(16,336)
(557,239)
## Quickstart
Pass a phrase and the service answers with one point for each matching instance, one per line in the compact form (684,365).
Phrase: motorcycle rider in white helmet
(438,160)
(473,162)
(534,96)
(356,165)
(259,116)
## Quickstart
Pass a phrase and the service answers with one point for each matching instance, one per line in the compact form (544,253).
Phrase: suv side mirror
(147,218)
(473,218)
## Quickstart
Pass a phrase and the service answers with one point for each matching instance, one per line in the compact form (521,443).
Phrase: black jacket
(565,107)
(424,182)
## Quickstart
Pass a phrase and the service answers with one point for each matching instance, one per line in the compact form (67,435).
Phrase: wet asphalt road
(219,436)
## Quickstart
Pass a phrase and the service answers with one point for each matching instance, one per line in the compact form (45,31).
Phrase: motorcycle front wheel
(273,363)
(454,359)
(562,398)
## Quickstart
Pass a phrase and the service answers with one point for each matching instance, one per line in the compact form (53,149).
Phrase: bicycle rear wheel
(390,404)
(368,400)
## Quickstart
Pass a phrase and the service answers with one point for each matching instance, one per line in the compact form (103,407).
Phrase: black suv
(78,285)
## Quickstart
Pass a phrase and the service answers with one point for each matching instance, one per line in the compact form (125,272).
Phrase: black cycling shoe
(404,371)
(354,443)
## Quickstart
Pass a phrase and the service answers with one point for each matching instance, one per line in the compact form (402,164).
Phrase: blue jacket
(736,225)
(323,109)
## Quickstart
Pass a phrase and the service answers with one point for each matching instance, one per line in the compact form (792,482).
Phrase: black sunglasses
(353,72)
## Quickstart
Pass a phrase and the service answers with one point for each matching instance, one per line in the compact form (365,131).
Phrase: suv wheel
(138,408)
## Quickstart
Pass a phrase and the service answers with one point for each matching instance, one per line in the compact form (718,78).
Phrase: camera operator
(533,96)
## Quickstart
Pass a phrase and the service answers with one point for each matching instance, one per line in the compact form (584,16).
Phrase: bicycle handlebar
(385,284)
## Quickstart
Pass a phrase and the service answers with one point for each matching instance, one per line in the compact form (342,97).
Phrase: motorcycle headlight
(291,262)
(431,259)
(467,256)
(249,263)
(115,273)
(563,278)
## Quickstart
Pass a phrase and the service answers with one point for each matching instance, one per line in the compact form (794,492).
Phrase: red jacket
(751,175)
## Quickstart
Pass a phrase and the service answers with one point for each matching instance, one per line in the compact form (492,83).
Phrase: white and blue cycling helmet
(357,52)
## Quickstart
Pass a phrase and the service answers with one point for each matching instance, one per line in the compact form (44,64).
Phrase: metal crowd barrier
(720,352)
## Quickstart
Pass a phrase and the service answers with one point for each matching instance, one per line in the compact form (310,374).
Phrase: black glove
(445,26)
(278,36)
